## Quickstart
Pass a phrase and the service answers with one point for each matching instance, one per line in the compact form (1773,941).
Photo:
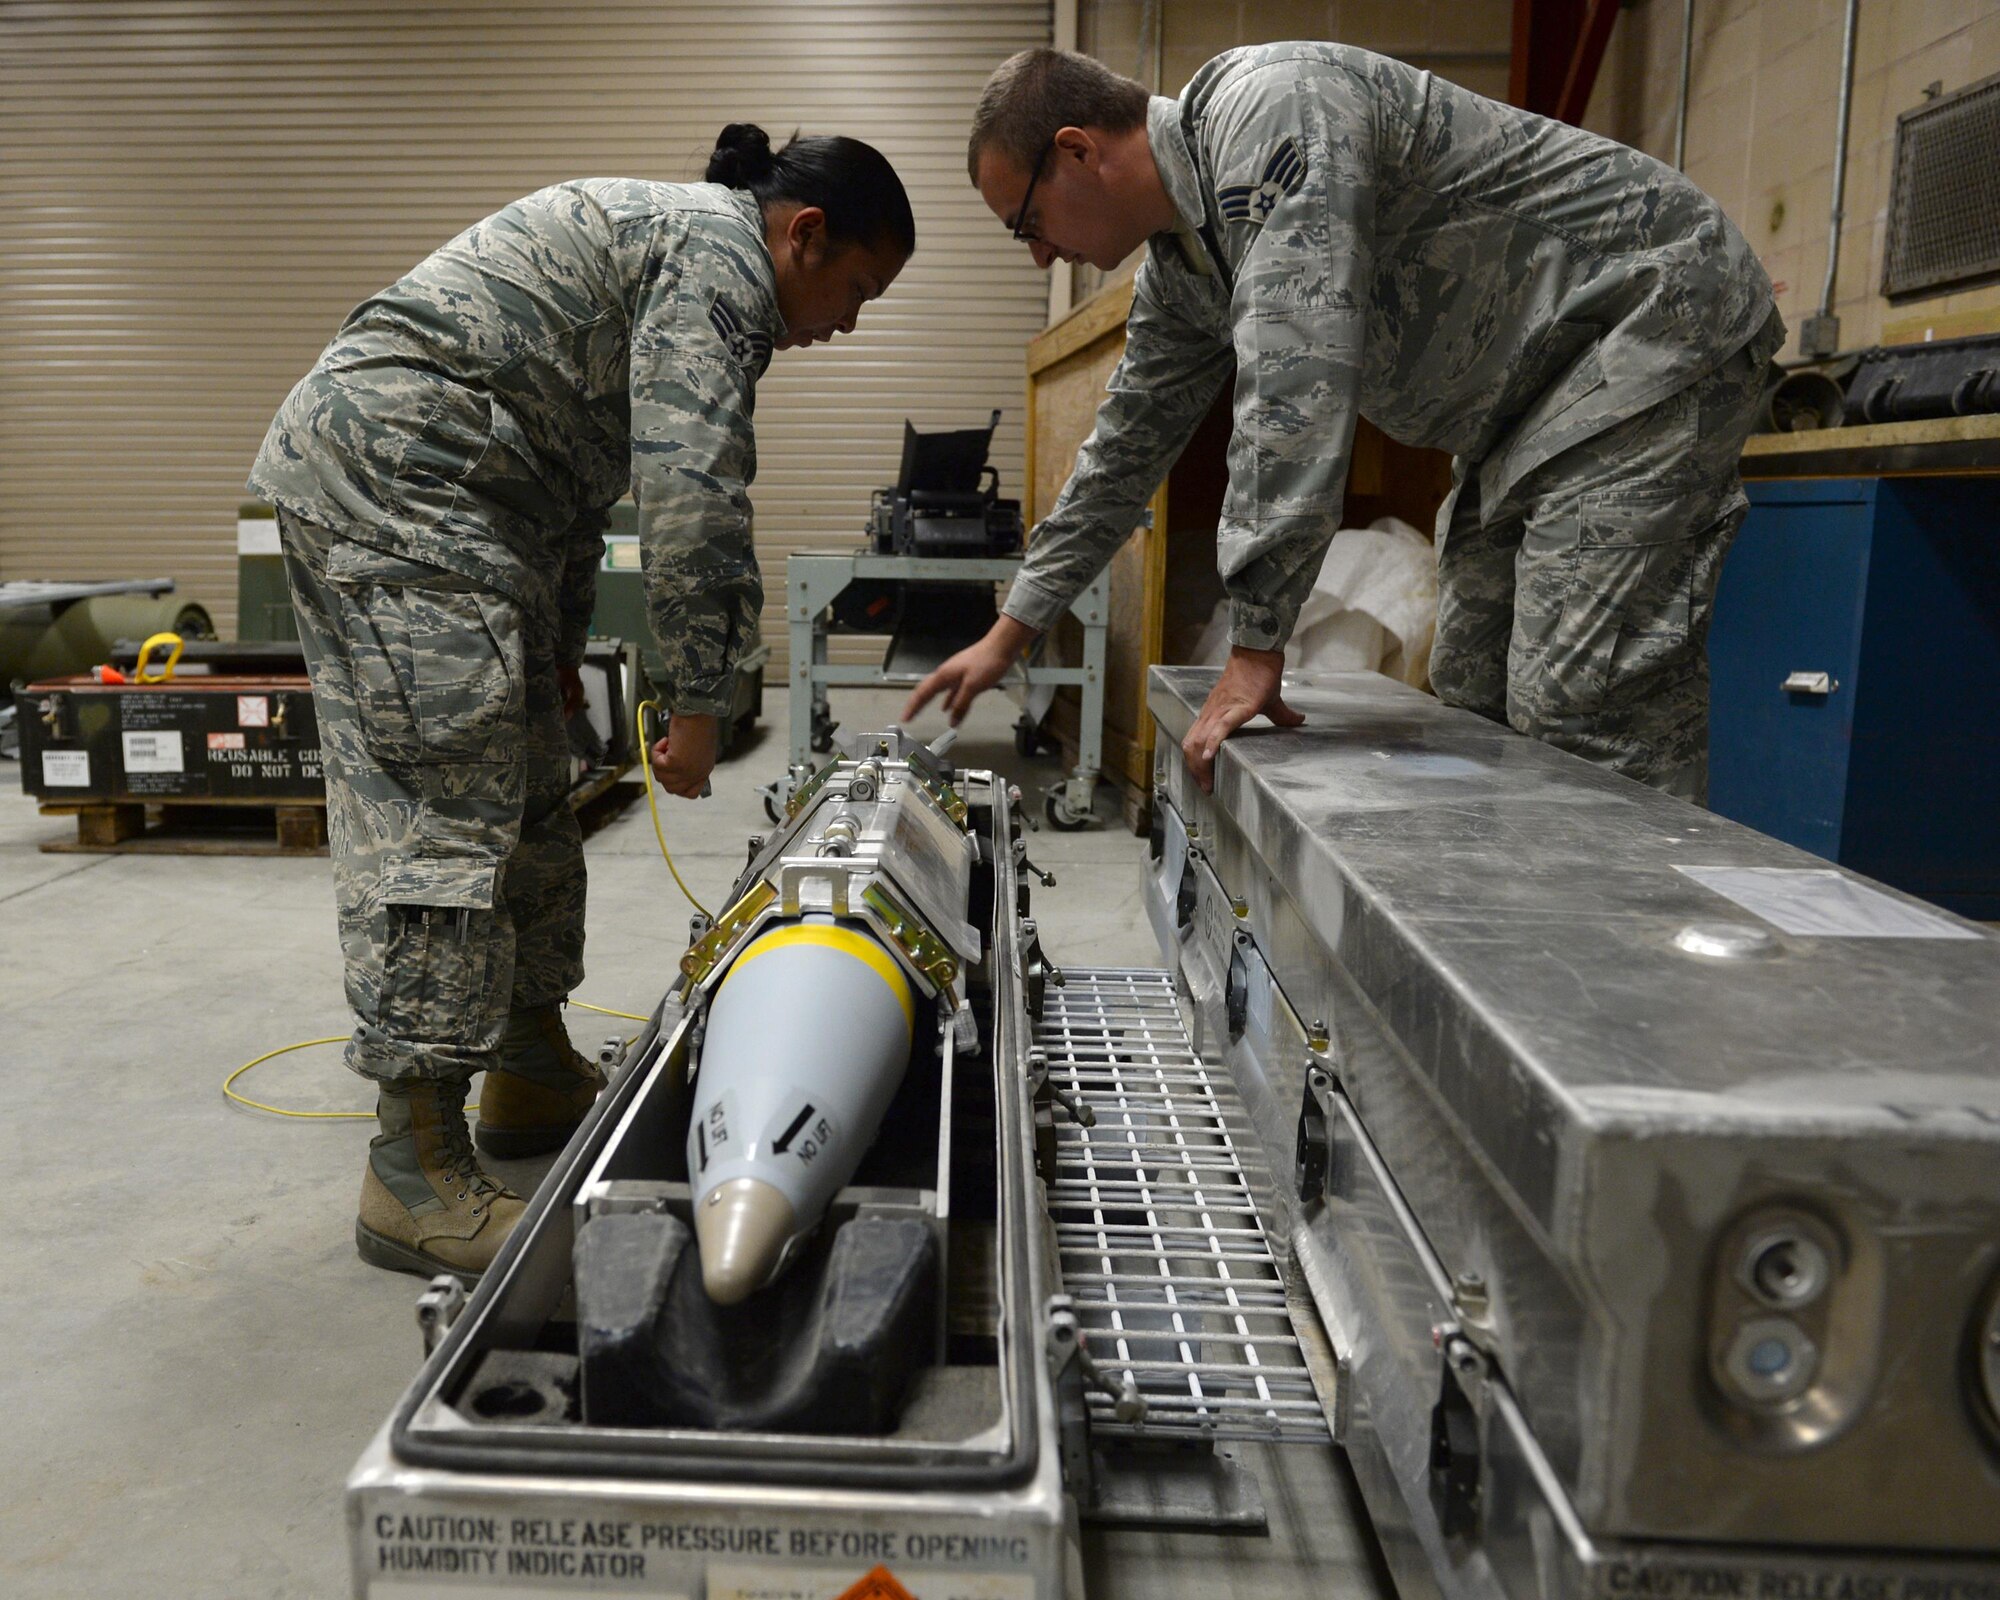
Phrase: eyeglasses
(1020,229)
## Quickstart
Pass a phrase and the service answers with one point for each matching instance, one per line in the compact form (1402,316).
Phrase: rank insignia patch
(747,346)
(1254,202)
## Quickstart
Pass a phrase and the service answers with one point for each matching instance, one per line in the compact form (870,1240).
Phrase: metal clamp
(1038,973)
(1815,683)
(932,779)
(1065,1345)
(928,953)
(962,1025)
(438,1308)
(1079,1110)
(803,792)
(1236,987)
(710,948)
(1313,1152)
(1048,879)
(1455,1448)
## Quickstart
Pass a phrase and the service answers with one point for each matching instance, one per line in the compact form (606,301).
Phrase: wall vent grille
(1944,205)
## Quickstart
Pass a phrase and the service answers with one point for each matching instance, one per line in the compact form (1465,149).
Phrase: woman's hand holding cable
(683,760)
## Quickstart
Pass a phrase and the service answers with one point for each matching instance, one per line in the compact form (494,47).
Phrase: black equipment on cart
(946,500)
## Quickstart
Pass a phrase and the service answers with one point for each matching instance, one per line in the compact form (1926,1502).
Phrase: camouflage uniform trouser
(1576,610)
(457,863)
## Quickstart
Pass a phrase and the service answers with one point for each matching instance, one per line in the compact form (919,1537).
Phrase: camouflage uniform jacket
(1364,238)
(485,412)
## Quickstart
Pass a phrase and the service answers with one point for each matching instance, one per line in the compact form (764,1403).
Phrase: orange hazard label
(880,1584)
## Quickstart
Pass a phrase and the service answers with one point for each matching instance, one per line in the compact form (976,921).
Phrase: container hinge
(438,1308)
(1455,1453)
(1313,1156)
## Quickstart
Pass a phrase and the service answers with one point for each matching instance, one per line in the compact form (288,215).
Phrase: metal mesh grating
(1944,206)
(1163,1253)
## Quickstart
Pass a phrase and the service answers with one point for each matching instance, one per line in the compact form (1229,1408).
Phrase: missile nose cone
(740,1228)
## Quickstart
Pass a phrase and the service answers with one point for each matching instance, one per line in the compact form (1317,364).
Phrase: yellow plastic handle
(139,674)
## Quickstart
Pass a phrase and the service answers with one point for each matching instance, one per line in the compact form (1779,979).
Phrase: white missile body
(846,930)
(808,1037)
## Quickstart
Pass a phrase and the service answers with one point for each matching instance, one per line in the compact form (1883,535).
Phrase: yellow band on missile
(848,942)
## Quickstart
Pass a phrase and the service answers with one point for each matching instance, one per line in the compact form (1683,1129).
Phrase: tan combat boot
(425,1205)
(531,1103)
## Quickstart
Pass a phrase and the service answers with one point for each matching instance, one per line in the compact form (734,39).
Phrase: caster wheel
(1027,738)
(771,808)
(1062,819)
(822,737)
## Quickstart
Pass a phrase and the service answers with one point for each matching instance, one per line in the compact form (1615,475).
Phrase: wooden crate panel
(1164,584)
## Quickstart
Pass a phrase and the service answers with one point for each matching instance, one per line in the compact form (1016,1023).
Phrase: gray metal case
(1555,1100)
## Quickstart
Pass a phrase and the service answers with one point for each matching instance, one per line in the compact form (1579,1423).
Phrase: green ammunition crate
(264,605)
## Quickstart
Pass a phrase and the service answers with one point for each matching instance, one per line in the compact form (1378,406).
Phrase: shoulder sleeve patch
(1283,170)
(747,347)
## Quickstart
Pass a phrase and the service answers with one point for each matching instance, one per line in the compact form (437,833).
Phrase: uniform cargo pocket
(437,951)
(1612,519)
(461,885)
(1609,600)
(437,663)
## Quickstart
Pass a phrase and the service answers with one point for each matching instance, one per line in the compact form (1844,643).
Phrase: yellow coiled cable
(652,805)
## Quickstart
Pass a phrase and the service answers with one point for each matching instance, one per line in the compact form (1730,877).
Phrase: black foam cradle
(829,1348)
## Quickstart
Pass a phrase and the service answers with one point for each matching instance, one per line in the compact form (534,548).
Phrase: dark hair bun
(851,182)
(742,156)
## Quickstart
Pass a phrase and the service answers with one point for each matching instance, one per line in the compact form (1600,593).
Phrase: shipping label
(153,751)
(66,769)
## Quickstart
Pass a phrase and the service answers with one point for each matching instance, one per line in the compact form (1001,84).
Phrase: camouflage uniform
(1360,237)
(1576,609)
(443,477)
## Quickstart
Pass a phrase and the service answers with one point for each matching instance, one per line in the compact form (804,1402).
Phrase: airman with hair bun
(443,478)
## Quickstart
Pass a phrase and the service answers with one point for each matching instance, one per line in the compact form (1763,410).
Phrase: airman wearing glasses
(1581,327)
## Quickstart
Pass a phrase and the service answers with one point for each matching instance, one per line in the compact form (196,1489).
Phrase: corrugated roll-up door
(194,193)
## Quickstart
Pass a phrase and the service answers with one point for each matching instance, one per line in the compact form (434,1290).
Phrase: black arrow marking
(701,1144)
(785,1139)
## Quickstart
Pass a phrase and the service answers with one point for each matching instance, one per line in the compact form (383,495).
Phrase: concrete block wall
(1467,41)
(1764,88)
(1464,40)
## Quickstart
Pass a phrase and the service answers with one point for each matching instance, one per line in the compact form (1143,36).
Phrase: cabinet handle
(1820,683)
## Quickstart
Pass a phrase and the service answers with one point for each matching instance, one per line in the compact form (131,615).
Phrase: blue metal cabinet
(1891,764)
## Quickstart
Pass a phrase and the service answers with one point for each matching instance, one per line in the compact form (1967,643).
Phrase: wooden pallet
(292,827)
(174,827)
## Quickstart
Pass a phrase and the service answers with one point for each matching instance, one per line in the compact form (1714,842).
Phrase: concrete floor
(197,1355)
